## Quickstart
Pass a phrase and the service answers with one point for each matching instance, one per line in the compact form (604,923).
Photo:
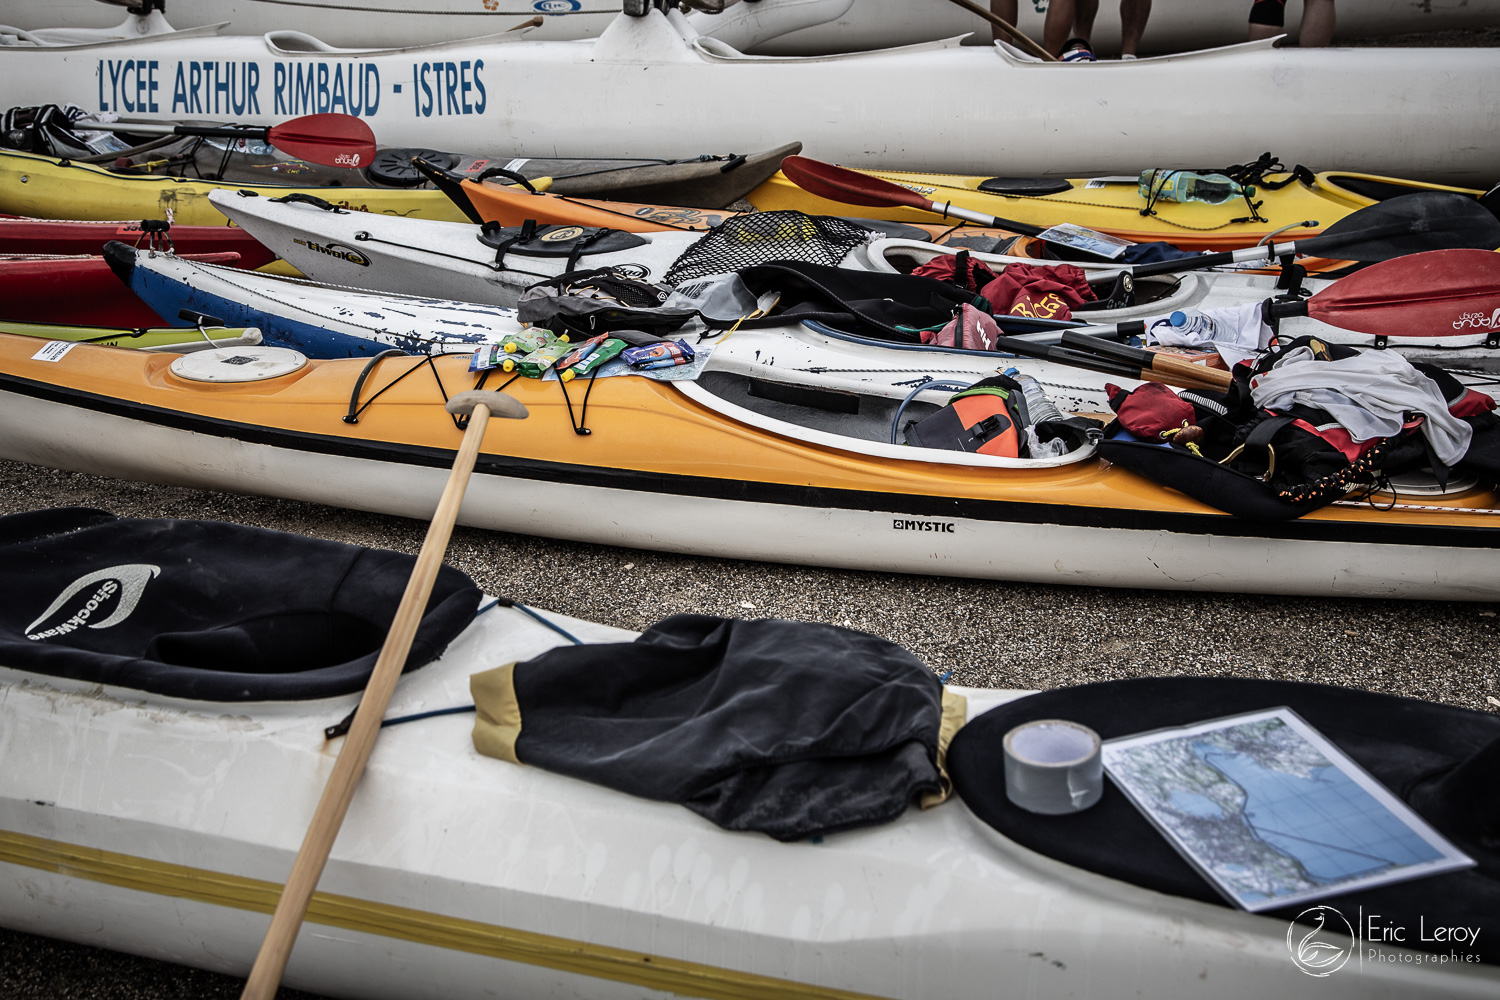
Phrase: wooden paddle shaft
(1166,366)
(1010,31)
(276,948)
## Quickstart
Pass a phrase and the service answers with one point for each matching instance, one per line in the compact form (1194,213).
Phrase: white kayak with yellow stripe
(933,106)
(164,827)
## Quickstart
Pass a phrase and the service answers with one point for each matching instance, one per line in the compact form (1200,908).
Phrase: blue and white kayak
(321,321)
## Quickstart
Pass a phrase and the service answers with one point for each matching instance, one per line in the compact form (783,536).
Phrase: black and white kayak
(158,793)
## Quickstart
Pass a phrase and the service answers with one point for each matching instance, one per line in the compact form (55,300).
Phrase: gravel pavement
(987,634)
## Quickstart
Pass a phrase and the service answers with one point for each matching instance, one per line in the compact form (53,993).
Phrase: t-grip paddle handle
(498,403)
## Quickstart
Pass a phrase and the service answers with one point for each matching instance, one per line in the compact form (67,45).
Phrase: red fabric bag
(972,329)
(1038,290)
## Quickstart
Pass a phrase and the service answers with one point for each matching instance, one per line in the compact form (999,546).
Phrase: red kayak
(46,236)
(81,290)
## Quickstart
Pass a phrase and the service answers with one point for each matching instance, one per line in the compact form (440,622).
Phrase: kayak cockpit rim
(704,397)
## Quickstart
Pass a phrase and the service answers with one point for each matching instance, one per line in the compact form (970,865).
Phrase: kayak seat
(1025,187)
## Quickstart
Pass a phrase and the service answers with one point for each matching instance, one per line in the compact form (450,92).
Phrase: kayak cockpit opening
(872,420)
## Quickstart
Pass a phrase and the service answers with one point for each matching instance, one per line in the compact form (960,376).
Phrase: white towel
(1368,395)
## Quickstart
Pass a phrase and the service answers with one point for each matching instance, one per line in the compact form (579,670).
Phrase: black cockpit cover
(1441,760)
(205,609)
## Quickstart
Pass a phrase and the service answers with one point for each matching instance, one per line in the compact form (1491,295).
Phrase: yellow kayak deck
(1116,207)
(47,188)
(639,427)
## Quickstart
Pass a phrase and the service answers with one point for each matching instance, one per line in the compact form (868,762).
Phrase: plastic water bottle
(1192,322)
(1188,185)
(1038,409)
(1038,406)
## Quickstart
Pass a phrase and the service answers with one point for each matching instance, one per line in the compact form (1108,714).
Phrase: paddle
(334,140)
(1161,364)
(276,948)
(1454,290)
(1195,378)
(1407,224)
(851,187)
(1010,30)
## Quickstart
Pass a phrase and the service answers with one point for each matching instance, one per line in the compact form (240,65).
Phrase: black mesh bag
(758,237)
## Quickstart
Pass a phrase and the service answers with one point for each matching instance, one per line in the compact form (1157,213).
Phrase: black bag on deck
(600,301)
(789,728)
(204,609)
(1265,465)
(870,304)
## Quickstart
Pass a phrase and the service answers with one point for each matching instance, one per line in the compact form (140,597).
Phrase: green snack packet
(609,349)
(535,364)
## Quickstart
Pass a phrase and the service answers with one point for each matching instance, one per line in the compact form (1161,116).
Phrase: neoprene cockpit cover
(205,609)
(1440,759)
(789,728)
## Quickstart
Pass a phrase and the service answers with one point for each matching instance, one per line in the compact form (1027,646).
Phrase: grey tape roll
(1053,766)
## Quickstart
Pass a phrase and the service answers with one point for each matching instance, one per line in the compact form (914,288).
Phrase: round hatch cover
(393,166)
(238,364)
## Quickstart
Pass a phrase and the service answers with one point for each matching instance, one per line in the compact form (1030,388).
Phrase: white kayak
(341,22)
(814,27)
(770,27)
(890,108)
(456,260)
(164,827)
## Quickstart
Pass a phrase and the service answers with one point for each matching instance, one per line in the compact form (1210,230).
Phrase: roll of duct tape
(1053,766)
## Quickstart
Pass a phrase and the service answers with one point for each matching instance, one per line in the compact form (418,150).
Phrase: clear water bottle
(1188,185)
(1038,406)
(1192,322)
(1038,409)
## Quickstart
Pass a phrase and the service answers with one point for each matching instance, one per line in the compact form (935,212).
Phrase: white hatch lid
(238,364)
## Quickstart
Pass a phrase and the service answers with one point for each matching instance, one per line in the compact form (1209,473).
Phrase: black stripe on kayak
(812,497)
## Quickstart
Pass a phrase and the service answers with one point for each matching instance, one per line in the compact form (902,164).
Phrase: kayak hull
(46,188)
(78,291)
(655,459)
(772,27)
(457,875)
(858,109)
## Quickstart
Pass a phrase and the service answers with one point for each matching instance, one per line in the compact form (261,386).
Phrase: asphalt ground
(988,634)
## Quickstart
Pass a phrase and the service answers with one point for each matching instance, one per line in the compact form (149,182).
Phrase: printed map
(1265,812)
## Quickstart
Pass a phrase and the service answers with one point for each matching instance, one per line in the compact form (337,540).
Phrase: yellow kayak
(721,466)
(47,188)
(169,338)
(1302,208)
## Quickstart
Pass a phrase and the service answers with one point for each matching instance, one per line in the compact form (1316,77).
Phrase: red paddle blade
(848,186)
(330,139)
(1441,293)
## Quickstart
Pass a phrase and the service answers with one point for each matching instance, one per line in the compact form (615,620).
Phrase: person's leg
(1317,23)
(1084,12)
(1006,11)
(1267,18)
(1059,22)
(1133,15)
